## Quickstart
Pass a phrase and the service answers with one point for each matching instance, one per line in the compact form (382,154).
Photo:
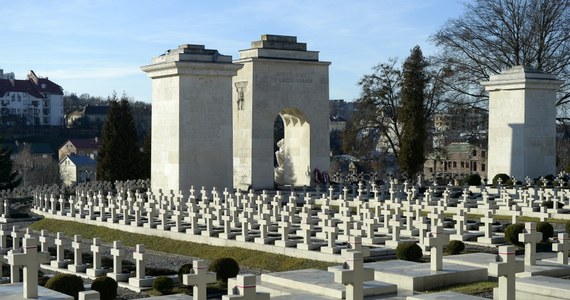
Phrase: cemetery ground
(167,255)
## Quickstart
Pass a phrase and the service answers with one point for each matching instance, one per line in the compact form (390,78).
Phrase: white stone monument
(191,118)
(522,128)
(505,270)
(31,261)
(199,278)
(280,78)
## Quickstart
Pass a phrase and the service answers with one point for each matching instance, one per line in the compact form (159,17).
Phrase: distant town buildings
(6,75)
(81,147)
(340,113)
(455,161)
(77,169)
(33,101)
(88,115)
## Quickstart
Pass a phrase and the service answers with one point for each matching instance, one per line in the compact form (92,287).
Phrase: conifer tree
(8,177)
(146,157)
(119,155)
(411,114)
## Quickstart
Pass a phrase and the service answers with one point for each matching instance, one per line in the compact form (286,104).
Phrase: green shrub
(106,286)
(409,251)
(66,283)
(184,269)
(159,272)
(505,179)
(225,268)
(163,284)
(546,229)
(455,247)
(550,204)
(472,180)
(512,234)
(568,224)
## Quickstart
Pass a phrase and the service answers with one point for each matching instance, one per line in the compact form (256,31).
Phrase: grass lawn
(474,288)
(249,258)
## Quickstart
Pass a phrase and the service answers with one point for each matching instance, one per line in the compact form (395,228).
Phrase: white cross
(31,261)
(436,242)
(505,270)
(353,275)
(138,255)
(530,238)
(243,287)
(562,248)
(199,277)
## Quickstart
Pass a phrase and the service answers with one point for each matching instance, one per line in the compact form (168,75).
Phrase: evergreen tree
(411,114)
(8,177)
(119,155)
(146,157)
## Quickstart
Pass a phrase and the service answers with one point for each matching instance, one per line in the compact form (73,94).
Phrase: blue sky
(96,47)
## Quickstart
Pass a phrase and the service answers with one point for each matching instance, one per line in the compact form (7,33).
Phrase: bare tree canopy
(377,124)
(493,35)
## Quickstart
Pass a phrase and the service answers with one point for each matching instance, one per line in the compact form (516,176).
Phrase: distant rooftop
(82,160)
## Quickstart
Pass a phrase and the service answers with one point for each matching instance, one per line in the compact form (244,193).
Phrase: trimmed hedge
(512,234)
(106,286)
(184,269)
(225,268)
(163,285)
(547,230)
(472,180)
(505,179)
(409,251)
(455,247)
(67,284)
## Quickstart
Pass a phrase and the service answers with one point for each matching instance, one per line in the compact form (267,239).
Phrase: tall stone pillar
(280,79)
(522,123)
(191,118)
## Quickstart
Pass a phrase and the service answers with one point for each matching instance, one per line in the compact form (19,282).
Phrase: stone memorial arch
(280,78)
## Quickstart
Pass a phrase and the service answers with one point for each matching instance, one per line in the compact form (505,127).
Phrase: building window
(474,152)
(482,153)
(463,164)
(455,164)
(482,167)
(474,166)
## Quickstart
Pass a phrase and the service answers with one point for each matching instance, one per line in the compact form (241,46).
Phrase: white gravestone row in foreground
(31,260)
(352,273)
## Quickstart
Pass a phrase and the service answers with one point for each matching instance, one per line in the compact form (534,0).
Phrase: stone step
(322,283)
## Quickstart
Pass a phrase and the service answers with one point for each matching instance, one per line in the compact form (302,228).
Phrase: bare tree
(493,35)
(36,170)
(377,125)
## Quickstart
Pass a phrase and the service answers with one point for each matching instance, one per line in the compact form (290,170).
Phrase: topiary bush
(512,234)
(163,285)
(409,251)
(550,204)
(546,229)
(225,268)
(106,286)
(472,180)
(184,269)
(455,247)
(505,179)
(66,283)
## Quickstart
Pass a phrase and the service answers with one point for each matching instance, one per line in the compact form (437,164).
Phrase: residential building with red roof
(34,101)
(81,147)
